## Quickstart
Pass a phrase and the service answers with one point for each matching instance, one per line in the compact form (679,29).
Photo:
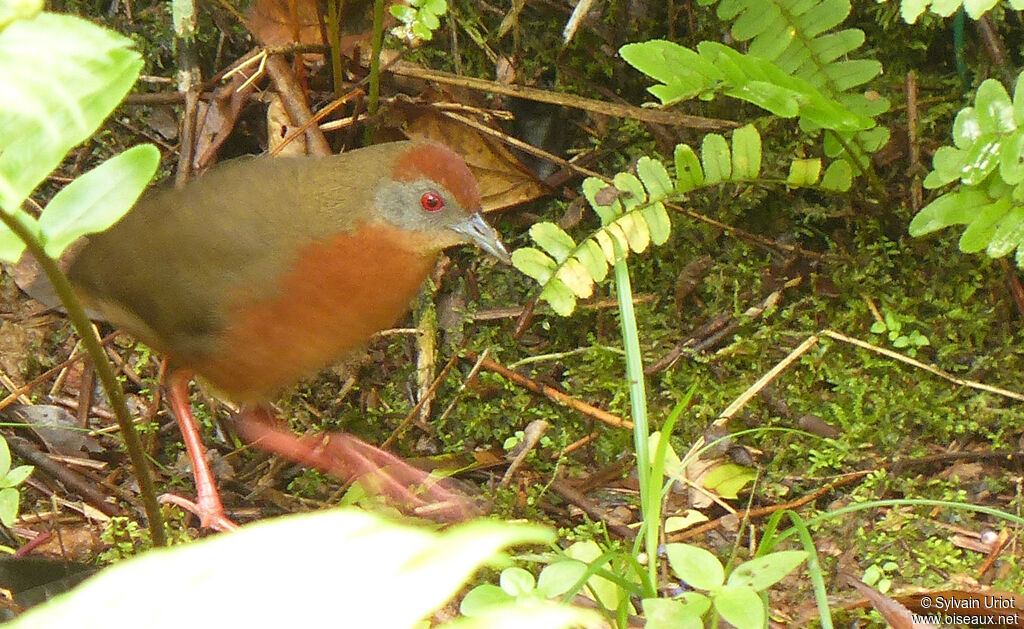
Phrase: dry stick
(291,97)
(553,394)
(74,481)
(397,432)
(658,116)
(531,437)
(614,524)
(475,369)
(763,511)
(579,443)
(1013,395)
(18,392)
(523,146)
(745,235)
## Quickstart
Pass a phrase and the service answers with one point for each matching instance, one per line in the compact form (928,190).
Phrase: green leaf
(592,258)
(956,208)
(603,198)
(995,110)
(98,199)
(9,499)
(634,193)
(838,176)
(5,458)
(16,476)
(982,226)
(977,8)
(559,297)
(534,263)
(1008,235)
(980,159)
(608,593)
(483,597)
(60,77)
(556,578)
(740,606)
(746,152)
(947,165)
(11,10)
(635,230)
(762,572)
(714,154)
(384,557)
(575,276)
(553,239)
(663,613)
(1011,158)
(728,478)
(516,581)
(689,174)
(696,566)
(655,178)
(658,222)
(803,172)
(403,13)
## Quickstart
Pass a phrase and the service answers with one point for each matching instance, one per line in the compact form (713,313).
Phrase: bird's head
(432,193)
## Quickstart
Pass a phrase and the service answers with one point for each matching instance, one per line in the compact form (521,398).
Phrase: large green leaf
(77,75)
(338,567)
(98,199)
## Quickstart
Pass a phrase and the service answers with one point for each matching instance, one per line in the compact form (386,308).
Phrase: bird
(263,271)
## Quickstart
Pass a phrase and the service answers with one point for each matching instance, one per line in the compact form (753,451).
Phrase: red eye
(431,201)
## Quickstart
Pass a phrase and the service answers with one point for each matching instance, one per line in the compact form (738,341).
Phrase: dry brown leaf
(504,181)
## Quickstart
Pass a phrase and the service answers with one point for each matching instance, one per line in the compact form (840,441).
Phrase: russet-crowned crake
(264,271)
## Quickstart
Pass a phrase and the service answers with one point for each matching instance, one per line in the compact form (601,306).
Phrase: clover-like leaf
(762,572)
(696,566)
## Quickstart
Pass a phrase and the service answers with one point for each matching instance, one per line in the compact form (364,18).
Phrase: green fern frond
(633,214)
(716,68)
(796,35)
(987,160)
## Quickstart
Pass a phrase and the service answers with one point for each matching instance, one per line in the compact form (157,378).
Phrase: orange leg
(207,505)
(350,459)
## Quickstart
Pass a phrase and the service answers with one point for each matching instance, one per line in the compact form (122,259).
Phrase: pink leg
(207,505)
(350,459)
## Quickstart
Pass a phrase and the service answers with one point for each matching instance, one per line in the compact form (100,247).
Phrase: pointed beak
(478,231)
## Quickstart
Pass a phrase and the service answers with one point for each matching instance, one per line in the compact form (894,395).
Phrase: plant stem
(18,223)
(638,410)
(376,44)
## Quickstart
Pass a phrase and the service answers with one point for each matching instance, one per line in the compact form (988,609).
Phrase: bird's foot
(351,459)
(210,512)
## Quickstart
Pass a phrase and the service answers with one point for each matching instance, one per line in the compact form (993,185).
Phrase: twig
(1013,395)
(660,116)
(295,104)
(553,394)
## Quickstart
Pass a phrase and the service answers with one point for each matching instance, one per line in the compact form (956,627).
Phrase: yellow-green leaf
(714,154)
(746,152)
(655,178)
(559,297)
(803,172)
(553,239)
(534,263)
(633,189)
(592,257)
(576,277)
(635,229)
(689,173)
(658,222)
